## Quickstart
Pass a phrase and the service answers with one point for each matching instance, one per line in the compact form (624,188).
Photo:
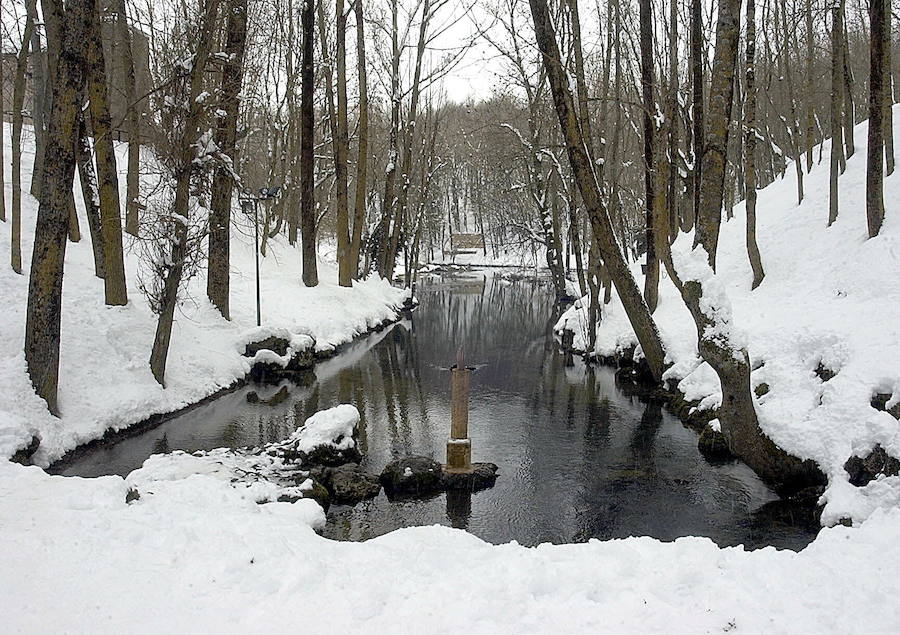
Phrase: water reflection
(578,458)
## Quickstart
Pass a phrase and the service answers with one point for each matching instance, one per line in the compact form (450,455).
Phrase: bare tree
(17,106)
(359,215)
(837,122)
(217,281)
(307,126)
(132,121)
(875,157)
(750,147)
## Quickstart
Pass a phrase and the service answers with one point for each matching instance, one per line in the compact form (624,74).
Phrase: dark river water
(578,457)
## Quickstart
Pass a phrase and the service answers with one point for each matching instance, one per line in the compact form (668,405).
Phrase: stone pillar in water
(459,446)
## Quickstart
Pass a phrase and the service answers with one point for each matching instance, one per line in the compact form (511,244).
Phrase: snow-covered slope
(831,296)
(198,556)
(105,381)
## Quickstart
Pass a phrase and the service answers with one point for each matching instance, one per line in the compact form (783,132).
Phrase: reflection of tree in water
(161,445)
(459,508)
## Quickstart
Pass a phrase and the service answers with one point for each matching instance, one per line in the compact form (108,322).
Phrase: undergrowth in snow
(830,297)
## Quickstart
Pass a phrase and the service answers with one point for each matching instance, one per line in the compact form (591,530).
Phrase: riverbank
(105,381)
(821,330)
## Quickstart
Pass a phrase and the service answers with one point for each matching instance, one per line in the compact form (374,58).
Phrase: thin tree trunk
(359,215)
(810,107)
(697,53)
(132,122)
(90,193)
(849,115)
(389,202)
(837,85)
(341,150)
(2,148)
(874,163)
(750,148)
(651,265)
(39,99)
(307,159)
(42,326)
(107,172)
(716,142)
(219,259)
(888,95)
(635,308)
(181,205)
(17,106)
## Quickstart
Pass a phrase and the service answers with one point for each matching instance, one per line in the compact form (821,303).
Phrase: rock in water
(412,476)
(712,445)
(482,476)
(348,484)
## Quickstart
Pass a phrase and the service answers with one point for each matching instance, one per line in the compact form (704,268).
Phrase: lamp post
(247,200)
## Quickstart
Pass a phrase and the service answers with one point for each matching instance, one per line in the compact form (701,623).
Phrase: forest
(285,275)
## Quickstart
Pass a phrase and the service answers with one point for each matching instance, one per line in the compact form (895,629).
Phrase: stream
(579,457)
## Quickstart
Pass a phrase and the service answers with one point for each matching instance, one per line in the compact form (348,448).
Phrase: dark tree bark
(888,94)
(217,281)
(2,152)
(42,326)
(389,201)
(307,127)
(849,115)
(107,172)
(715,145)
(874,163)
(651,266)
(750,148)
(359,215)
(697,52)
(837,123)
(89,193)
(132,122)
(635,308)
(341,151)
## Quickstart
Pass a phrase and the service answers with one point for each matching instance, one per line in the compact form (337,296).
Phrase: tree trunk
(359,212)
(132,122)
(217,281)
(17,106)
(697,53)
(307,159)
(2,148)
(837,122)
(651,266)
(181,205)
(888,95)
(42,326)
(635,308)
(750,148)
(849,115)
(107,172)
(715,145)
(89,193)
(810,104)
(874,163)
(39,101)
(341,150)
(389,202)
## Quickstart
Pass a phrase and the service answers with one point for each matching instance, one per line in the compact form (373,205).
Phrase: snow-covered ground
(105,381)
(197,555)
(830,296)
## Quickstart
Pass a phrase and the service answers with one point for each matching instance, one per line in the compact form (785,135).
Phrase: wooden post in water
(459,446)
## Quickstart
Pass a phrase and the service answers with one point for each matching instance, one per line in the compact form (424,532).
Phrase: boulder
(482,476)
(348,484)
(273,343)
(412,476)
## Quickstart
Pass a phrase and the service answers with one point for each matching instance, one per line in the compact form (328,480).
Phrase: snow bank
(830,297)
(105,380)
(196,554)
